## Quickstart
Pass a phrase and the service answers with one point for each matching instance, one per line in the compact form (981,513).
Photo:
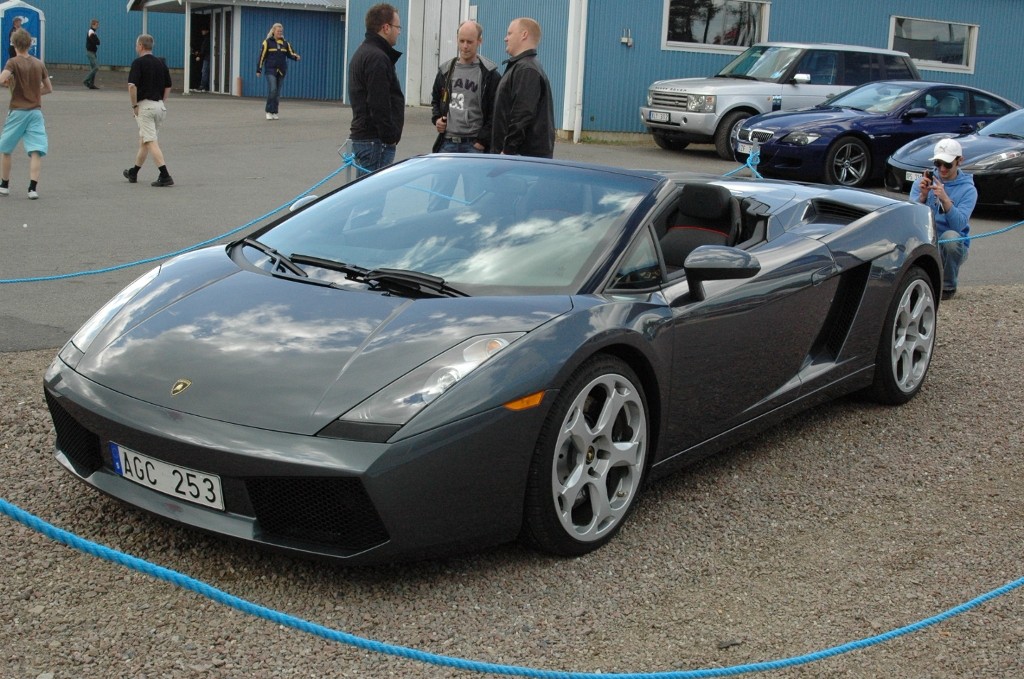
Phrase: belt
(459,139)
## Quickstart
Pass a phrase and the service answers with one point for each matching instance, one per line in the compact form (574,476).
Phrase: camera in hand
(929,175)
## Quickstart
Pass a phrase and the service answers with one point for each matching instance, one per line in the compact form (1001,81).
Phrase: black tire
(666,142)
(848,162)
(589,464)
(724,134)
(907,342)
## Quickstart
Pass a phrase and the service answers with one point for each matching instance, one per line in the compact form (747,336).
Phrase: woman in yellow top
(274,56)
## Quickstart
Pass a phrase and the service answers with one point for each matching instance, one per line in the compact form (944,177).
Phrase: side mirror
(915,113)
(802,78)
(717,263)
(301,203)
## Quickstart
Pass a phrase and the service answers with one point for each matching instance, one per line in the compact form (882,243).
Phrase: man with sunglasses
(952,196)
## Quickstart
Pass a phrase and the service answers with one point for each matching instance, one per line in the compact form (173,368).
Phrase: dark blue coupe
(848,139)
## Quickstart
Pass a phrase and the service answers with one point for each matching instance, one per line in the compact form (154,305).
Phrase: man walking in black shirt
(92,43)
(149,83)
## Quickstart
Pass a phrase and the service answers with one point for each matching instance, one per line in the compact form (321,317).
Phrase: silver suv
(769,76)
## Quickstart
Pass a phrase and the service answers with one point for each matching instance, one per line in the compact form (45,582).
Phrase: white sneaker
(275,115)
(4,191)
(270,116)
(32,194)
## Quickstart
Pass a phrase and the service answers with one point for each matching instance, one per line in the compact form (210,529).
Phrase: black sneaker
(948,294)
(131,174)
(163,181)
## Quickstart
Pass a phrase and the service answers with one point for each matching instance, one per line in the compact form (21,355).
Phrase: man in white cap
(951,194)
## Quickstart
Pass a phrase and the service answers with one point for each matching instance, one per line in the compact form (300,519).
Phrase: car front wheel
(589,463)
(668,142)
(726,132)
(908,339)
(848,163)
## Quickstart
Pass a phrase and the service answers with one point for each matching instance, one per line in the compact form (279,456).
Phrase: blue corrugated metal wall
(67,22)
(318,37)
(357,32)
(616,77)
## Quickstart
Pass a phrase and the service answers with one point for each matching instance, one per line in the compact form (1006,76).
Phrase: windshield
(482,224)
(880,97)
(761,62)
(1012,124)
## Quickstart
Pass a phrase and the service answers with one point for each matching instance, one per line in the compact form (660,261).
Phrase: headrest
(706,201)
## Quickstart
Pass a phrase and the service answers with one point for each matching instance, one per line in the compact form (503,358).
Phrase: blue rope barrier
(981,235)
(753,158)
(219,596)
(349,162)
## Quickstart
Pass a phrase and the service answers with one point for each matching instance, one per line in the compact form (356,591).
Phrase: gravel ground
(844,523)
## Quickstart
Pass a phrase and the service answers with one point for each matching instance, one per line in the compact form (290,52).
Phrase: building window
(935,45)
(715,25)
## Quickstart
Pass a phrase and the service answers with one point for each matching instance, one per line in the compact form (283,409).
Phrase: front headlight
(650,98)
(991,161)
(700,103)
(406,396)
(87,333)
(800,138)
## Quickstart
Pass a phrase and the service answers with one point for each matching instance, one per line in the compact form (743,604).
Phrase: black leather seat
(707,215)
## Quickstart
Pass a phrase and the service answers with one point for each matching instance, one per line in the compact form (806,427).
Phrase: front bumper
(453,488)
(693,127)
(786,161)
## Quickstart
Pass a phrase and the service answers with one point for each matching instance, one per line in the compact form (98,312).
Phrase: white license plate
(744,148)
(913,177)
(659,116)
(170,479)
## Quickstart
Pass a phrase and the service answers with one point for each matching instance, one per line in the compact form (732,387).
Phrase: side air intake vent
(826,211)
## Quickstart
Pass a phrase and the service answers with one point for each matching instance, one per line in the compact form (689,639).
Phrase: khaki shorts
(151,114)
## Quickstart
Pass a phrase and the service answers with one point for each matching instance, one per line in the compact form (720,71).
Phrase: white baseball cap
(947,150)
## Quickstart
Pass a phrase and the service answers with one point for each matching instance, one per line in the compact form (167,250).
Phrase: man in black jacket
(378,104)
(462,101)
(524,114)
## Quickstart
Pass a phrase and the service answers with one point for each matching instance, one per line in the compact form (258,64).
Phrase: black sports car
(994,156)
(459,350)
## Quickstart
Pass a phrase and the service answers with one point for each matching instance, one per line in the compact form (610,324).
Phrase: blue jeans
(204,78)
(371,155)
(91,78)
(448,146)
(954,253)
(274,84)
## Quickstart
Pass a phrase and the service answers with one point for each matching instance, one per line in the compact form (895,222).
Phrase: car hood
(278,354)
(918,153)
(717,86)
(818,118)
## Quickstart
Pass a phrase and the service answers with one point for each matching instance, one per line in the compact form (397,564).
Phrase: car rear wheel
(667,142)
(908,338)
(589,463)
(726,132)
(848,163)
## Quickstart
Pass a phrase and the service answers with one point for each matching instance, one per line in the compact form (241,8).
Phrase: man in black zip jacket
(378,104)
(524,115)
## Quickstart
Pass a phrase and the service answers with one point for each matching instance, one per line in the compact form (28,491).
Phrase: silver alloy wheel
(850,163)
(913,335)
(600,451)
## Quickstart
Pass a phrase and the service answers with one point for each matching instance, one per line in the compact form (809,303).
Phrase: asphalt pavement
(232,169)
